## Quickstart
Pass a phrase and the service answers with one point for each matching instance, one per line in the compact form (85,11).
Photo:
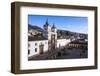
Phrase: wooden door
(41,47)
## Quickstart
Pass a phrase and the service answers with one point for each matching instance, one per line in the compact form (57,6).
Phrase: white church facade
(50,42)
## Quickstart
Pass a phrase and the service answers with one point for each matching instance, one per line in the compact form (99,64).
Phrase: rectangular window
(35,49)
(28,52)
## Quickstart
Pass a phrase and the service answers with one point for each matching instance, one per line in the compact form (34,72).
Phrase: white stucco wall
(32,46)
(49,33)
(62,42)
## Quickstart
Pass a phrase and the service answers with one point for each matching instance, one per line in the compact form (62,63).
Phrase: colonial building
(45,41)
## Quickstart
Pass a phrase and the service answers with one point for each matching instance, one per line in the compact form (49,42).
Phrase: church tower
(54,37)
(51,35)
(47,30)
(46,25)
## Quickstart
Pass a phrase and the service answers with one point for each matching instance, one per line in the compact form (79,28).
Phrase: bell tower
(51,35)
(46,25)
(47,30)
(54,37)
